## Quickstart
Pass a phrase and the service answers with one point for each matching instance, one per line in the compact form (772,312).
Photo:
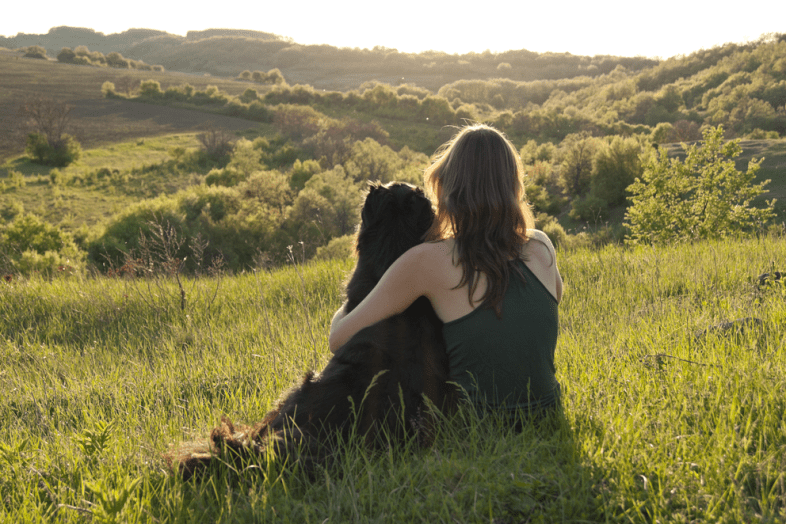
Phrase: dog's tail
(229,443)
(238,445)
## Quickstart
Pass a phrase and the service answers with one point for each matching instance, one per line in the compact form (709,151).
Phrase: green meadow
(100,376)
(104,181)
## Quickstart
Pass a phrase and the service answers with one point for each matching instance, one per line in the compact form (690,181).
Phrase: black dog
(376,383)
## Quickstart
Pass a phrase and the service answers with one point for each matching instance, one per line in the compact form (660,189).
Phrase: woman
(494,288)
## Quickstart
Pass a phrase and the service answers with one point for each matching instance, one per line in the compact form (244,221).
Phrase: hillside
(99,120)
(221,52)
(302,156)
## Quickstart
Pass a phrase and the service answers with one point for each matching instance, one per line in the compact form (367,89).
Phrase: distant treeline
(229,52)
(83,56)
(742,87)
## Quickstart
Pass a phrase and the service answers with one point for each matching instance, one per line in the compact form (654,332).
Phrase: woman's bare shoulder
(436,248)
(541,248)
(540,236)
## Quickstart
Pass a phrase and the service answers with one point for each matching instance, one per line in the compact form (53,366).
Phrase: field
(101,121)
(102,375)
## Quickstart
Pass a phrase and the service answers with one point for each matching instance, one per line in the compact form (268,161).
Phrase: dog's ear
(374,201)
(422,211)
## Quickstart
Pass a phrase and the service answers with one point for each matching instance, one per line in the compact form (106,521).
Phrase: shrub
(48,264)
(577,151)
(615,166)
(590,208)
(56,177)
(150,89)
(11,210)
(249,95)
(35,245)
(554,231)
(226,177)
(66,55)
(217,143)
(115,59)
(705,196)
(35,51)
(108,89)
(61,154)
(124,231)
(339,247)
(302,172)
(15,179)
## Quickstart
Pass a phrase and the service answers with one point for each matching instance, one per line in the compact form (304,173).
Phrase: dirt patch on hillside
(98,120)
(103,121)
(115,120)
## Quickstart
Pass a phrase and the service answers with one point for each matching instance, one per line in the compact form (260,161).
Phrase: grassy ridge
(657,425)
(99,121)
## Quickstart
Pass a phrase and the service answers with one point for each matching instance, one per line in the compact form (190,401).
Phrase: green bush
(115,59)
(249,95)
(226,177)
(15,179)
(705,196)
(554,231)
(40,151)
(150,89)
(48,264)
(11,210)
(615,166)
(66,55)
(339,247)
(590,208)
(35,51)
(35,245)
(124,232)
(108,89)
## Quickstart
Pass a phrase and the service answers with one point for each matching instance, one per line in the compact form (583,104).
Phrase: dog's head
(395,217)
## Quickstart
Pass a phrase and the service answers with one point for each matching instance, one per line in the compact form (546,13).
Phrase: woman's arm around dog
(421,271)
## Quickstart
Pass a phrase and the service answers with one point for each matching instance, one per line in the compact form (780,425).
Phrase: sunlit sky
(663,28)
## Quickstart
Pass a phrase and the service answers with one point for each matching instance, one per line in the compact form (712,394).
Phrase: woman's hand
(340,314)
(408,278)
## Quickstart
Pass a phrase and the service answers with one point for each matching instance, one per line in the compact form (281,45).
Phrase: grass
(102,375)
(135,169)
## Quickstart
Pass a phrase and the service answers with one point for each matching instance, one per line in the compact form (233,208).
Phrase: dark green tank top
(508,363)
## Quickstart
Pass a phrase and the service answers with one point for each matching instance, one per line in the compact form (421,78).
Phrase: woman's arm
(407,279)
(341,313)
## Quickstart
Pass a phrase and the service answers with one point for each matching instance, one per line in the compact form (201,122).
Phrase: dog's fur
(376,383)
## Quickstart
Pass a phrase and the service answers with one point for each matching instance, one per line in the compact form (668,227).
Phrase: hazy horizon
(608,27)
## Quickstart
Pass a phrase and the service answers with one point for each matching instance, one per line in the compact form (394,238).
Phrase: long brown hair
(475,181)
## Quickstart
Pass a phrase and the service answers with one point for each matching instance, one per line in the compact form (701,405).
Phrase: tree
(35,51)
(216,142)
(126,84)
(45,123)
(703,197)
(115,59)
(150,89)
(577,151)
(275,77)
(615,166)
(66,55)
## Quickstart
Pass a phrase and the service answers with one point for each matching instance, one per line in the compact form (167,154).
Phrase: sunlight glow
(611,27)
